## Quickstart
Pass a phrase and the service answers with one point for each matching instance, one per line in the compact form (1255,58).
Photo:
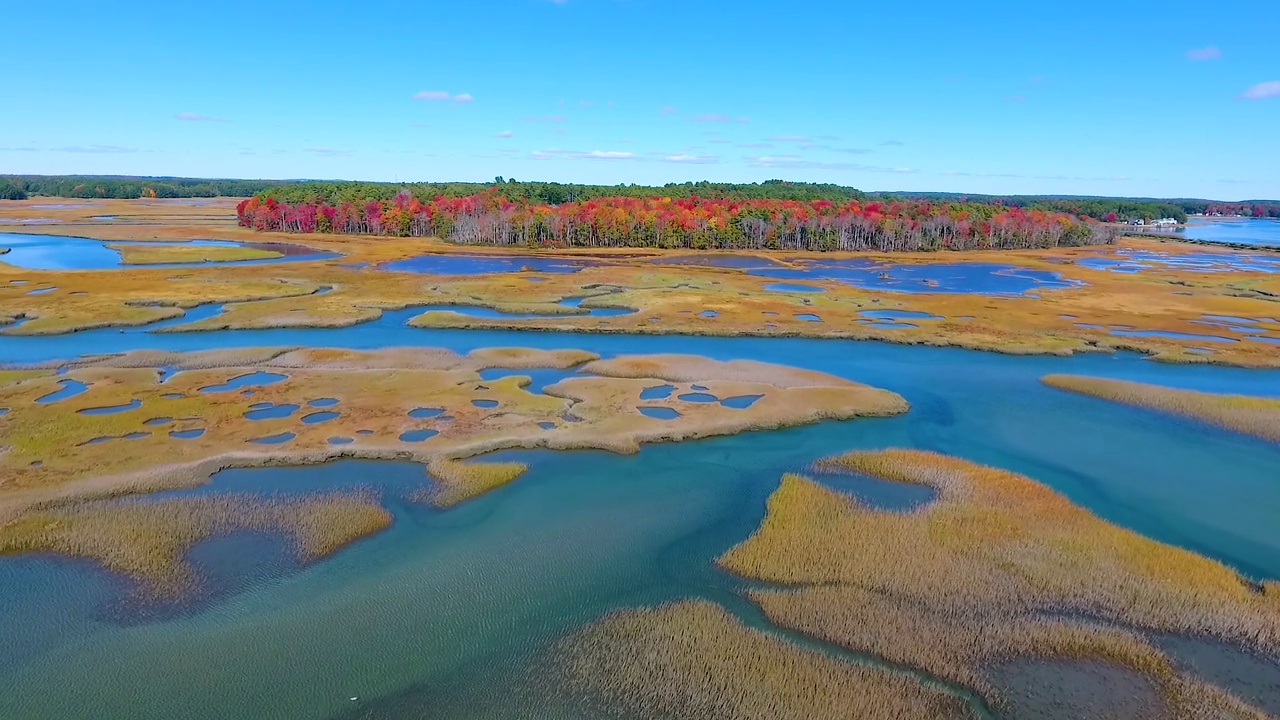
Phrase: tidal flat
(471,513)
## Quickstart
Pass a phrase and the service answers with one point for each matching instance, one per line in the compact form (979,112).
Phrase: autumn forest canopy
(17,187)
(493,218)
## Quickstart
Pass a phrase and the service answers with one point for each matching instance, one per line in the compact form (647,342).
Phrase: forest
(552,193)
(493,218)
(1120,210)
(20,187)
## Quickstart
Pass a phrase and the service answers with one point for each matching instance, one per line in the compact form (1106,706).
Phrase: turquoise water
(439,615)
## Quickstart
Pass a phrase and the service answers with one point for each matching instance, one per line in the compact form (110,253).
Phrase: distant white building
(1165,222)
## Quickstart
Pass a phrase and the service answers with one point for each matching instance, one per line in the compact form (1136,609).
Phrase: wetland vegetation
(367,456)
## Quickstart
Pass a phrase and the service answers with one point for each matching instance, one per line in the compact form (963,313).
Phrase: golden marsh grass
(54,448)
(61,459)
(992,571)
(458,480)
(694,660)
(148,540)
(1256,416)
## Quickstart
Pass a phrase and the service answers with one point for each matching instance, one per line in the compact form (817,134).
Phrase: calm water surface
(62,252)
(440,615)
(1248,232)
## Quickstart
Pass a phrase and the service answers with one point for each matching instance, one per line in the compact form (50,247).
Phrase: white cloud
(668,110)
(791,138)
(893,143)
(692,159)
(719,118)
(1262,91)
(328,151)
(442,96)
(609,155)
(505,134)
(1204,53)
(196,117)
(582,155)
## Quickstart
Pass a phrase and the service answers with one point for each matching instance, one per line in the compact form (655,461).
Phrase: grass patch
(460,480)
(148,540)
(694,660)
(166,254)
(998,568)
(1256,416)
(16,376)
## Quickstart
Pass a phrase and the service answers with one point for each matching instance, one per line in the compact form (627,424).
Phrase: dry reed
(694,660)
(1256,416)
(458,480)
(989,573)
(147,540)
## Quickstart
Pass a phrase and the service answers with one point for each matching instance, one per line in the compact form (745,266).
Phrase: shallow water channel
(63,252)
(444,614)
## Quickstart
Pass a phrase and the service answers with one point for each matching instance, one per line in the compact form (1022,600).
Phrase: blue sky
(1114,98)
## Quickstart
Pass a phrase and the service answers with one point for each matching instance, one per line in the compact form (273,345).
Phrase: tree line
(1106,209)
(16,187)
(20,187)
(552,193)
(492,218)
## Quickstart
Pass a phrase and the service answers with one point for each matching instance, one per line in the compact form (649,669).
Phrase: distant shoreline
(1207,219)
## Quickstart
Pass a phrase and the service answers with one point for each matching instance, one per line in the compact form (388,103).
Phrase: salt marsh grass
(460,480)
(998,568)
(1257,416)
(693,660)
(147,540)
